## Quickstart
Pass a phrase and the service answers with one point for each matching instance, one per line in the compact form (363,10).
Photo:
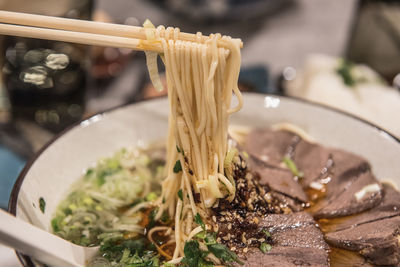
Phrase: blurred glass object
(46,80)
(375,39)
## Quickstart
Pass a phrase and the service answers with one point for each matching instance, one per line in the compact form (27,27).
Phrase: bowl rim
(12,204)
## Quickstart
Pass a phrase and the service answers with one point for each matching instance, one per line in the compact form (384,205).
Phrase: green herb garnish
(222,252)
(194,256)
(177,148)
(344,70)
(130,252)
(178,166)
(292,167)
(265,247)
(55,223)
(199,221)
(266,233)
(180,194)
(42,204)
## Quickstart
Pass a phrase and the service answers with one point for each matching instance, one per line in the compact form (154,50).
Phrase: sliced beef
(296,241)
(282,181)
(317,162)
(331,176)
(341,200)
(297,230)
(285,201)
(363,226)
(286,256)
(377,241)
(387,208)
(270,146)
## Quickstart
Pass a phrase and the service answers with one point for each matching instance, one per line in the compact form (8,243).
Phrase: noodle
(201,78)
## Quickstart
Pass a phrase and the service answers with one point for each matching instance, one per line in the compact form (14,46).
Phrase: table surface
(278,41)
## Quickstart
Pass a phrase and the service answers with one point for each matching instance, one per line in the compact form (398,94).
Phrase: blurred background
(342,53)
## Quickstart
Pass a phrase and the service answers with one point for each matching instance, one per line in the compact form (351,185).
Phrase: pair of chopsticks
(82,31)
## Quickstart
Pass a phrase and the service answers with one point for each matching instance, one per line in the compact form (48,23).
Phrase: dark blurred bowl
(222,10)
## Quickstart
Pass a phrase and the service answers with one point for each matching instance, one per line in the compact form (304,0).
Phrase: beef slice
(340,174)
(269,146)
(286,256)
(341,199)
(297,241)
(377,241)
(387,208)
(283,182)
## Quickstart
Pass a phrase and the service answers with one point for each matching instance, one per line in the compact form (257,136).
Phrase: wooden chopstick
(91,27)
(80,37)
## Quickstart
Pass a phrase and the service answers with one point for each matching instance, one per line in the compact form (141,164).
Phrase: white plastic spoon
(41,245)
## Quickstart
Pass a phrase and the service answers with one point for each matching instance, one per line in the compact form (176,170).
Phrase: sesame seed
(216,228)
(244,240)
(245,250)
(229,226)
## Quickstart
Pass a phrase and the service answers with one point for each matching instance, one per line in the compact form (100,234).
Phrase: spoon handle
(37,243)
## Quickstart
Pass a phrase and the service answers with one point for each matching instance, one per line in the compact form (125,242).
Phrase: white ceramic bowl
(63,161)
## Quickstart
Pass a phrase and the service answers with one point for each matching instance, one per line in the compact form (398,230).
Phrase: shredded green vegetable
(98,209)
(292,167)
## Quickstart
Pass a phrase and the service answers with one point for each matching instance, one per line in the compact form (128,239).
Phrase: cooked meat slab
(387,208)
(288,257)
(378,241)
(335,175)
(341,198)
(296,241)
(280,180)
(359,216)
(373,234)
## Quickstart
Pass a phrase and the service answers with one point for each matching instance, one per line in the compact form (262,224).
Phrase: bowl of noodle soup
(50,175)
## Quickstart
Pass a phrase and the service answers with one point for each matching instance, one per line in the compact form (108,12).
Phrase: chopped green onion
(229,157)
(180,194)
(202,235)
(151,196)
(266,233)
(292,167)
(199,221)
(42,204)
(265,247)
(178,166)
(211,239)
(344,70)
